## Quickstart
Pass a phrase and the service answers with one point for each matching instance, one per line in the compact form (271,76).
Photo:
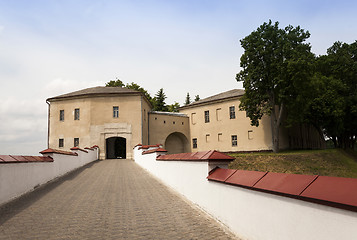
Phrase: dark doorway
(115,147)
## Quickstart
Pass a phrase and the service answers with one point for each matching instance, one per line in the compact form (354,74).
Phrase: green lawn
(329,162)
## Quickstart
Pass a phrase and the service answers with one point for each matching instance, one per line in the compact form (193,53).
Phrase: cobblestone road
(112,199)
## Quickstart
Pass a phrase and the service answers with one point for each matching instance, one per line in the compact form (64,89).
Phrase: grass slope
(329,162)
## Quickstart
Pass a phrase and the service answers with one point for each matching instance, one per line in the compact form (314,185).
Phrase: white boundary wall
(17,179)
(251,214)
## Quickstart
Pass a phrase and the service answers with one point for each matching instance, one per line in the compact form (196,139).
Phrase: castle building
(117,119)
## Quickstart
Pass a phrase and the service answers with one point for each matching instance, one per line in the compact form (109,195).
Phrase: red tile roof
(197,156)
(23,159)
(50,150)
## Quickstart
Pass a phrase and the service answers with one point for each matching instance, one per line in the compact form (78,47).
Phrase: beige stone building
(116,119)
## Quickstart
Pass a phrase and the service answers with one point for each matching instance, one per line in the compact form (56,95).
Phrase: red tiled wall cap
(332,191)
(80,149)
(24,159)
(197,156)
(155,150)
(50,150)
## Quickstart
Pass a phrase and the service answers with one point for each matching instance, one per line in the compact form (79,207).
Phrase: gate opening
(115,147)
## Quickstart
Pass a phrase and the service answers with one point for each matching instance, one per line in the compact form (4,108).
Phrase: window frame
(61,143)
(115,111)
(76,142)
(232,112)
(194,143)
(206,115)
(76,114)
(61,115)
(234,140)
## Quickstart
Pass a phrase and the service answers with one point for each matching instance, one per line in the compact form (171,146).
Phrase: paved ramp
(112,199)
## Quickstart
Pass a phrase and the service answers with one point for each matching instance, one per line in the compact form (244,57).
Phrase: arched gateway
(177,143)
(115,147)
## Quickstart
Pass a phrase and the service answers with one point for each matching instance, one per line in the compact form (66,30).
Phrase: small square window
(206,116)
(173,122)
(194,143)
(76,142)
(61,115)
(234,141)
(76,114)
(232,112)
(61,142)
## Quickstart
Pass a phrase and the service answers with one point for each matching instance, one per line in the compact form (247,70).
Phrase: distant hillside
(330,162)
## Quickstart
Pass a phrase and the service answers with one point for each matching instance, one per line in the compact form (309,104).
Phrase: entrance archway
(176,143)
(115,147)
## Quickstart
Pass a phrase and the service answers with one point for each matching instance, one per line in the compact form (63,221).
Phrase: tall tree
(188,99)
(275,62)
(338,96)
(159,101)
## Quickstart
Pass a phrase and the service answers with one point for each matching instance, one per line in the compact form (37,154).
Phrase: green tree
(197,98)
(159,101)
(276,63)
(132,85)
(188,99)
(173,107)
(135,86)
(115,83)
(336,104)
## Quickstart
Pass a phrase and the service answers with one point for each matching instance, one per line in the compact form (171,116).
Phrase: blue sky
(51,47)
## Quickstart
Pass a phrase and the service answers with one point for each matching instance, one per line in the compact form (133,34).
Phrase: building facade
(117,119)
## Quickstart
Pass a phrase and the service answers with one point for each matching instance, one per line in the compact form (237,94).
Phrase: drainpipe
(48,125)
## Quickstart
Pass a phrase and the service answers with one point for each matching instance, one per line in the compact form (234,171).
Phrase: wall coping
(79,149)
(204,156)
(331,191)
(50,150)
(24,159)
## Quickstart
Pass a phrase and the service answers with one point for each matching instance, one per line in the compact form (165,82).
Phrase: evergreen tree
(197,98)
(159,102)
(188,99)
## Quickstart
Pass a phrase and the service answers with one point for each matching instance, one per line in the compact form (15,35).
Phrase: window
(115,112)
(76,142)
(206,116)
(76,114)
(218,114)
(194,143)
(61,142)
(250,134)
(61,115)
(232,112)
(173,122)
(234,141)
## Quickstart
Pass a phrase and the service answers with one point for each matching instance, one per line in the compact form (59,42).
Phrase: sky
(52,47)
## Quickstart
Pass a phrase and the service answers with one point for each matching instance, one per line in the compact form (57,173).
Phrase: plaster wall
(250,214)
(97,122)
(162,125)
(216,134)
